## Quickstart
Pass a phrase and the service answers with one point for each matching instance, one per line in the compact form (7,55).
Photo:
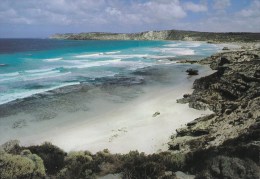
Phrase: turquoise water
(30,66)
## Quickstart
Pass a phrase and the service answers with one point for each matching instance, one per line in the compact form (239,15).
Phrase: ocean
(35,66)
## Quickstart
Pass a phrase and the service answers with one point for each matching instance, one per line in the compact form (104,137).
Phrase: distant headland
(165,35)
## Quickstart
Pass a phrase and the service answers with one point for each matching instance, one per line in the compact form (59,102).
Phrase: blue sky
(41,18)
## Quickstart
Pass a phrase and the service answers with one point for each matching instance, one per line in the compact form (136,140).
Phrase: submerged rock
(3,65)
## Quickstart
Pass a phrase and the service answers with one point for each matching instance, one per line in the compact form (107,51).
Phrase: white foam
(9,74)
(39,70)
(178,51)
(192,44)
(33,75)
(42,73)
(87,64)
(19,94)
(111,55)
(115,52)
(131,56)
(52,59)
(160,56)
(172,45)
(89,55)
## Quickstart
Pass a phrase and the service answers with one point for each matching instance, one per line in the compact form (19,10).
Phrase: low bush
(29,166)
(52,156)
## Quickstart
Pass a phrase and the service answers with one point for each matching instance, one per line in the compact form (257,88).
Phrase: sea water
(33,66)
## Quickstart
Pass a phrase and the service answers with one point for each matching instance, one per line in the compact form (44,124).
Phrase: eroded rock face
(232,93)
(225,144)
(227,167)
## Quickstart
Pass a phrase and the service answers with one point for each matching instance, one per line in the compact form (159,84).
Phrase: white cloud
(252,11)
(93,11)
(196,7)
(221,4)
(113,11)
(130,16)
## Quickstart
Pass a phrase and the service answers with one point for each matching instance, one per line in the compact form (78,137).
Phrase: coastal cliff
(232,93)
(164,35)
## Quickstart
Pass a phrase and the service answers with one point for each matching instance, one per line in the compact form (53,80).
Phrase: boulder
(225,48)
(191,71)
(156,114)
(228,167)
(257,74)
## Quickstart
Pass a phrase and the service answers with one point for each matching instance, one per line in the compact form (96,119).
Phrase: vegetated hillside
(165,35)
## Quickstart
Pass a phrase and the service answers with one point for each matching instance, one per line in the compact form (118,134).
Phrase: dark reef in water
(3,65)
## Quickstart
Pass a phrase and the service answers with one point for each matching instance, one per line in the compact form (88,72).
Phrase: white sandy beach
(120,128)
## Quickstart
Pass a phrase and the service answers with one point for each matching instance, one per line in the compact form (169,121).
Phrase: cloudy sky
(40,18)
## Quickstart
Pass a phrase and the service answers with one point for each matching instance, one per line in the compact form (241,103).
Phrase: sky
(41,18)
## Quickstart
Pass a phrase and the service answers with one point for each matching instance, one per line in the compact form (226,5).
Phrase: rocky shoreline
(224,144)
(231,135)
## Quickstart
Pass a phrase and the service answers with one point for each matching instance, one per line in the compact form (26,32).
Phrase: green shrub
(21,167)
(104,162)
(173,162)
(52,156)
(138,165)
(77,165)
(39,169)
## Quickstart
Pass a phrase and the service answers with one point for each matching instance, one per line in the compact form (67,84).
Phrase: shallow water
(34,66)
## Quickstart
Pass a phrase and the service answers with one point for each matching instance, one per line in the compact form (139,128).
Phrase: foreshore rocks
(230,136)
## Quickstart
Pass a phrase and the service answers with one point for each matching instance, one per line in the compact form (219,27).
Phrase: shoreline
(118,130)
(115,135)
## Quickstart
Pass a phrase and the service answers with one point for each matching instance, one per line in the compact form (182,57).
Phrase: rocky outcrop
(225,144)
(232,93)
